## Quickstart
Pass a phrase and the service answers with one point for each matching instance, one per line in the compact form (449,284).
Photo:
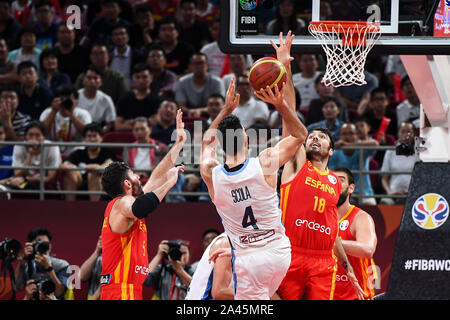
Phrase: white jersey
(247,205)
(201,283)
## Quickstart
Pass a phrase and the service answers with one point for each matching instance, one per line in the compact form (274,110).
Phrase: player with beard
(309,193)
(124,232)
(358,236)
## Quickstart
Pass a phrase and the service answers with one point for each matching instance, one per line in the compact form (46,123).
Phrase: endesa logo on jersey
(313,226)
(430,211)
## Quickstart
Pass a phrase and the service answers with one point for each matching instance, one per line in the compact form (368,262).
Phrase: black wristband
(48,269)
(144,205)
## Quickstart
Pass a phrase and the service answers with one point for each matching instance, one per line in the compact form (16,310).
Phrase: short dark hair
(65,90)
(404,80)
(139,67)
(94,69)
(26,65)
(169,20)
(377,90)
(120,26)
(328,99)
(327,132)
(113,177)
(216,95)
(156,46)
(350,176)
(33,234)
(210,231)
(42,3)
(93,126)
(232,123)
(182,2)
(142,8)
(27,29)
(35,124)
(47,52)
(319,78)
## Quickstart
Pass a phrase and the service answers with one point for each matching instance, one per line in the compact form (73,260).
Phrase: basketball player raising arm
(304,176)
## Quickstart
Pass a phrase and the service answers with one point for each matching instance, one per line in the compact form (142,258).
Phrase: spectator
(6,152)
(398,184)
(207,236)
(381,119)
(114,83)
(64,121)
(409,110)
(349,158)
(67,51)
(275,120)
(192,30)
(286,20)
(163,80)
(165,121)
(178,53)
(238,66)
(123,57)
(34,96)
(216,57)
(40,266)
(163,8)
(45,27)
(249,109)
(357,97)
(143,159)
(314,113)
(91,270)
(330,111)
(27,50)
(206,11)
(9,27)
(8,74)
(142,33)
(363,130)
(101,28)
(139,102)
(90,159)
(215,104)
(304,81)
(193,89)
(99,105)
(170,278)
(50,74)
(31,156)
(14,122)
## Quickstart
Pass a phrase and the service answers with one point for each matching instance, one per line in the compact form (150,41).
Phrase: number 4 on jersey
(249,218)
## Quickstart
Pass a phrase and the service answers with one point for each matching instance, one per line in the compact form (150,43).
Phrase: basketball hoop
(346,44)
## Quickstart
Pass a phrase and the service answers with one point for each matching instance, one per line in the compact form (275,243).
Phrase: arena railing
(42,191)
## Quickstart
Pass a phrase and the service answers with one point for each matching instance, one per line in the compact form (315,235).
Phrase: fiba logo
(343,225)
(430,211)
(248,5)
(447,3)
(332,179)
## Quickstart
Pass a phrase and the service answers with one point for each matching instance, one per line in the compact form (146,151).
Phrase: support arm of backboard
(430,76)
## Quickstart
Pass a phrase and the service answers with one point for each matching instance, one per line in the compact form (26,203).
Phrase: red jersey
(364,268)
(124,260)
(159,13)
(309,212)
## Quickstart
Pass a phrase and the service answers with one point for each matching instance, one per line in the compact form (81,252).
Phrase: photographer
(64,121)
(38,265)
(169,271)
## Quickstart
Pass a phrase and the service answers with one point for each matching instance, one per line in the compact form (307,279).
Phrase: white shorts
(258,272)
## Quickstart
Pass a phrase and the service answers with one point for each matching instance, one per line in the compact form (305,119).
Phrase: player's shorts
(124,291)
(311,275)
(257,272)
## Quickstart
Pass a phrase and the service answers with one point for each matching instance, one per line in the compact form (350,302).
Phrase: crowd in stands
(123,74)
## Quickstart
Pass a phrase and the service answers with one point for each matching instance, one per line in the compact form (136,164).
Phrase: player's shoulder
(362,215)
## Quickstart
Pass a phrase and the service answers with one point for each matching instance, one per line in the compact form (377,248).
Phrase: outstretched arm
(209,145)
(159,174)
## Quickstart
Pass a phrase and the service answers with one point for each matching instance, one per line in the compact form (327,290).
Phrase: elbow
(369,252)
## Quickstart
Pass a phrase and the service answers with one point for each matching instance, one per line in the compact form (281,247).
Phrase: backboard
(407,26)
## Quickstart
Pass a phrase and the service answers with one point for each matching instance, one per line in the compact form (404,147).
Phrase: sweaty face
(136,186)
(317,145)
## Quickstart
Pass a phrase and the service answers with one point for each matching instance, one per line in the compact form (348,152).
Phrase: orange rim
(345,25)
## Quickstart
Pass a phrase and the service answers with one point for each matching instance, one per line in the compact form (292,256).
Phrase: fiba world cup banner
(421,262)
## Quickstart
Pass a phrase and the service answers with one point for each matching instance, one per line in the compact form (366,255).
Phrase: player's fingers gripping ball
(265,72)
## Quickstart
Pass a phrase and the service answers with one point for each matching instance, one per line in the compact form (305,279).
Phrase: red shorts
(311,275)
(124,291)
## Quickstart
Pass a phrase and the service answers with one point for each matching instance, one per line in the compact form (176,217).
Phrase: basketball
(265,72)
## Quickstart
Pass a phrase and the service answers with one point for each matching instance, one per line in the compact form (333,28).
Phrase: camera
(9,248)
(174,250)
(45,286)
(66,103)
(39,247)
(405,149)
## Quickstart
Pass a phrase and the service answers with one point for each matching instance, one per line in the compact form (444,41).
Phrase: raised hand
(272,95)
(284,50)
(181,134)
(231,100)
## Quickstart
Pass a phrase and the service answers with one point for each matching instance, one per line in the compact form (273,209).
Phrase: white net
(346,45)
